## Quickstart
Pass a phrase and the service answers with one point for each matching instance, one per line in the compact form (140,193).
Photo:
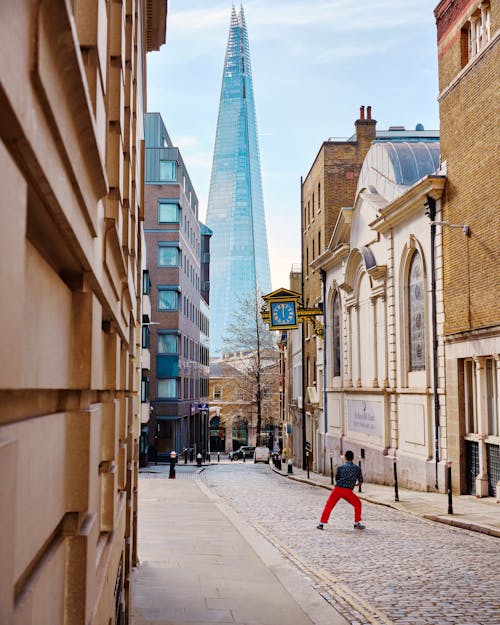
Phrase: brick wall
(469,147)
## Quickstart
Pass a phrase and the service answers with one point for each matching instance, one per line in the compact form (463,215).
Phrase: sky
(314,63)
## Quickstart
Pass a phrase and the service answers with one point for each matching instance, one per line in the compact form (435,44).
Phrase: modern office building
(72,91)
(239,252)
(178,255)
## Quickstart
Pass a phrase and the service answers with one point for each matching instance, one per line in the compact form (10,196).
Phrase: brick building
(329,185)
(178,255)
(72,93)
(468,32)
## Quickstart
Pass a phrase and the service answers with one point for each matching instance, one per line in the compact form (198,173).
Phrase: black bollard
(173,460)
(290,467)
(218,456)
(331,470)
(396,492)
(450,495)
(307,462)
(359,485)
(198,459)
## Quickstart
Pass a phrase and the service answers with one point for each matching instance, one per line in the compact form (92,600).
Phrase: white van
(262,454)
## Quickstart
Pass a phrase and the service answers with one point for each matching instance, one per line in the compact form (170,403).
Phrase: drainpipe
(325,377)
(303,341)
(430,211)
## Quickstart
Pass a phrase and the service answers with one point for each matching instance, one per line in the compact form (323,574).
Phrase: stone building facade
(72,96)
(379,357)
(468,33)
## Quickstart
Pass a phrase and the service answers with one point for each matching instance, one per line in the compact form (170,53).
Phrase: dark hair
(349,455)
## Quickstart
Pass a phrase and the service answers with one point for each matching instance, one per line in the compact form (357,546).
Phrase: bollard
(173,460)
(198,459)
(218,456)
(396,492)
(290,467)
(278,462)
(450,495)
(331,470)
(185,456)
(307,462)
(359,485)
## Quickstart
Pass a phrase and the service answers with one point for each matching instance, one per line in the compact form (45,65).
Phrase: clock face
(283,313)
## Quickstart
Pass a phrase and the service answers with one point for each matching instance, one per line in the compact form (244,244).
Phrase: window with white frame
(471,422)
(476,33)
(217,392)
(416,316)
(491,396)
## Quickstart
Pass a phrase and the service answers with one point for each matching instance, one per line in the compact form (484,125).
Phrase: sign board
(365,416)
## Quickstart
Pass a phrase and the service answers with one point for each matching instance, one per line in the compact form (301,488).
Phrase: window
(470,397)
(168,255)
(491,396)
(168,171)
(167,366)
(168,343)
(168,212)
(144,388)
(336,336)
(416,314)
(146,282)
(319,196)
(217,392)
(145,337)
(167,389)
(476,33)
(168,298)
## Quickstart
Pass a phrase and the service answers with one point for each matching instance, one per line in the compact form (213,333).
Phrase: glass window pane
(416,314)
(168,344)
(167,366)
(167,389)
(168,212)
(168,171)
(336,336)
(167,299)
(168,256)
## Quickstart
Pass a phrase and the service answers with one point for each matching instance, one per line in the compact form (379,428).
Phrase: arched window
(336,335)
(416,324)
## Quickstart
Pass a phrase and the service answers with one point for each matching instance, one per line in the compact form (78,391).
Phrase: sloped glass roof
(390,167)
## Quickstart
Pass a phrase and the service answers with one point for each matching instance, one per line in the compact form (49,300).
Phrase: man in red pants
(346,478)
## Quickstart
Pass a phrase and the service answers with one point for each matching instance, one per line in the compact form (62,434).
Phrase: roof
(391,166)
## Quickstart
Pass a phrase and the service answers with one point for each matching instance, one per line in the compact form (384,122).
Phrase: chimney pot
(361,112)
(369,112)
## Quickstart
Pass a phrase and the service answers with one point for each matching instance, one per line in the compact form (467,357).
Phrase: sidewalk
(202,563)
(470,513)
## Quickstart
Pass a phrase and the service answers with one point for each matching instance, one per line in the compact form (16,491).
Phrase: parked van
(261,454)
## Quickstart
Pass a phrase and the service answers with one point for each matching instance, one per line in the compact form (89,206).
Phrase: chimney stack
(369,112)
(365,127)
(361,112)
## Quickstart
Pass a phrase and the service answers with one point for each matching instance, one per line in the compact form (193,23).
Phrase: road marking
(335,585)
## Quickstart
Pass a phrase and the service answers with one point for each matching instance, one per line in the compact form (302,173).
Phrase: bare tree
(255,357)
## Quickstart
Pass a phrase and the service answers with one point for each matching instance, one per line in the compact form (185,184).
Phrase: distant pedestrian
(346,478)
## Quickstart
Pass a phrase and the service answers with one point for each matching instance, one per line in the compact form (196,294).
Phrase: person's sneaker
(359,526)
(319,526)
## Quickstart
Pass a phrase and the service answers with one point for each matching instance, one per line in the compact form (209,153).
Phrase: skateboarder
(346,478)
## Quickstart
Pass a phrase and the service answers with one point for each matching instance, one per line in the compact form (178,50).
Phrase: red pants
(341,493)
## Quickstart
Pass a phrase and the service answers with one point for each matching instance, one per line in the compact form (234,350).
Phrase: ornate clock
(283,314)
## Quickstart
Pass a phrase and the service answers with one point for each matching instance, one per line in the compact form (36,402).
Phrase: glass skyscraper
(239,263)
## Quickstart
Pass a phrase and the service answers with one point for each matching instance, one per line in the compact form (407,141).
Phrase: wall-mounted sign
(365,416)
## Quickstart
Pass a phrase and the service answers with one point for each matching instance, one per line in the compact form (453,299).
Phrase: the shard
(239,254)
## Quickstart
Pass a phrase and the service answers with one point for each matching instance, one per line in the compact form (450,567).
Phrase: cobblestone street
(400,570)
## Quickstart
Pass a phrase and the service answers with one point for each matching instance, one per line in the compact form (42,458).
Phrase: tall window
(416,325)
(476,33)
(168,298)
(470,397)
(168,212)
(336,336)
(168,255)
(168,171)
(491,396)
(319,196)
(217,392)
